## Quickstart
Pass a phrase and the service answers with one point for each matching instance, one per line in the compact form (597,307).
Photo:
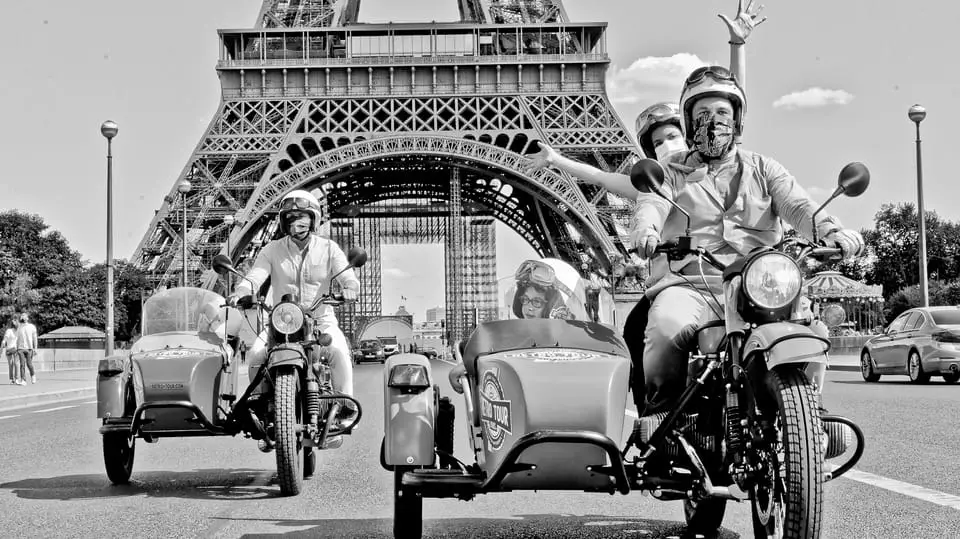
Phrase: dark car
(430,352)
(371,350)
(919,343)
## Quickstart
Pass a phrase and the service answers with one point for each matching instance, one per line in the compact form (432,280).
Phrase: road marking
(8,416)
(52,409)
(907,489)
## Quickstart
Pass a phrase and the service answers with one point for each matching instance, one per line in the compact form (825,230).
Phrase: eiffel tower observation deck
(436,114)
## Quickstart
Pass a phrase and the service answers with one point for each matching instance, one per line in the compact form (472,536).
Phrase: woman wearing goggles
(659,128)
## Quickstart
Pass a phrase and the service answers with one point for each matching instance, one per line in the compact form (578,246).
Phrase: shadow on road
(208,484)
(544,526)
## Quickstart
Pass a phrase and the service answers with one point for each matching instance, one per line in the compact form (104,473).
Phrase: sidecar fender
(786,343)
(113,376)
(287,354)
(410,402)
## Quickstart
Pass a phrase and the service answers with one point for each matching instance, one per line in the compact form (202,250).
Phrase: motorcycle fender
(785,343)
(113,376)
(409,417)
(287,354)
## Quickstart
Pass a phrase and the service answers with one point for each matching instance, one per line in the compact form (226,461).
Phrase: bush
(909,297)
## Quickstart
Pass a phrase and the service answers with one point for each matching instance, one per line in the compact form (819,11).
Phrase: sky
(827,83)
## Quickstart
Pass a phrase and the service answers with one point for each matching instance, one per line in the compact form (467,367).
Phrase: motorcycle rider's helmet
(712,81)
(653,117)
(559,283)
(300,201)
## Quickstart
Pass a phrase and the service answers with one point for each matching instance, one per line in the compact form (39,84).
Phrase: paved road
(52,482)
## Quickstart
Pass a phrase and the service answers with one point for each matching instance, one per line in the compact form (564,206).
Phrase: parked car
(430,352)
(371,350)
(920,343)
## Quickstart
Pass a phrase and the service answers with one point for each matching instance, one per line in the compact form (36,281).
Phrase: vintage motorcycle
(181,379)
(545,402)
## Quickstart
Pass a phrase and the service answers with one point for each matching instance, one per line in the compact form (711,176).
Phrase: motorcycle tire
(118,452)
(407,508)
(705,516)
(287,418)
(795,509)
(309,462)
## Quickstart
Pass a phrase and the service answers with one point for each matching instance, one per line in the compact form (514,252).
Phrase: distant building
(436,314)
(402,311)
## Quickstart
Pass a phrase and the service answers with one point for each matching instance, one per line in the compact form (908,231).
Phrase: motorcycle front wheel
(286,421)
(788,502)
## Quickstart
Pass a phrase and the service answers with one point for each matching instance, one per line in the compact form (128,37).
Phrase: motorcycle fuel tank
(528,390)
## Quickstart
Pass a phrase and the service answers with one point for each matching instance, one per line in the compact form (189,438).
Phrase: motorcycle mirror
(853,180)
(222,264)
(647,176)
(357,257)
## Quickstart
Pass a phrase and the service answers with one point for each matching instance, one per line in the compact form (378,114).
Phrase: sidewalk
(51,387)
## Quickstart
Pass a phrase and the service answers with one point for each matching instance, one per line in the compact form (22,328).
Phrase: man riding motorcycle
(658,127)
(736,200)
(303,262)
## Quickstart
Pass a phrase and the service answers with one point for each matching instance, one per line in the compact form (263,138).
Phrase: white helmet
(712,81)
(301,200)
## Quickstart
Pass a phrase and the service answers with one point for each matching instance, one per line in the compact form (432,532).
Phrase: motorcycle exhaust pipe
(733,492)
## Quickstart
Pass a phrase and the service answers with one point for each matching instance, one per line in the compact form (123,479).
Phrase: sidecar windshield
(552,288)
(180,309)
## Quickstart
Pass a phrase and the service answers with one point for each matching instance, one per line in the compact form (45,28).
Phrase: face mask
(668,147)
(712,135)
(299,227)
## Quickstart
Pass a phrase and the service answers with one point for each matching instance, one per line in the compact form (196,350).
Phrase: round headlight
(772,281)
(287,318)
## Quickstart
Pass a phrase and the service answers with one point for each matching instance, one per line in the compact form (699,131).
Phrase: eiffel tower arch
(439,115)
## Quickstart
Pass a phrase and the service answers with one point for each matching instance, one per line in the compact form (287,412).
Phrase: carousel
(846,306)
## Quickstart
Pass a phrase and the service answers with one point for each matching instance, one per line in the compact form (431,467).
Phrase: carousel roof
(833,284)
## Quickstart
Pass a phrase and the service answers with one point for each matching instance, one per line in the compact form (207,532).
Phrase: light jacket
(291,269)
(766,194)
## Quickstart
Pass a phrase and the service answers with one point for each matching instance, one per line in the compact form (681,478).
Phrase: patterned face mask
(712,135)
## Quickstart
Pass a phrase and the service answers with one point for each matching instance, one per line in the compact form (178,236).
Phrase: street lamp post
(229,220)
(109,130)
(184,188)
(916,115)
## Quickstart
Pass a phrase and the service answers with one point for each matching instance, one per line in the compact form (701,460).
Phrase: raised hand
(545,157)
(746,21)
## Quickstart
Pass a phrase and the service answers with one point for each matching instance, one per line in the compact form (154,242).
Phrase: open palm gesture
(747,19)
(543,158)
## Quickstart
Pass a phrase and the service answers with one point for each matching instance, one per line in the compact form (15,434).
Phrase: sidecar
(179,379)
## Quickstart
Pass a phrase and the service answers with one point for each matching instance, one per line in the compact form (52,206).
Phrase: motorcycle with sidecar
(545,403)
(181,379)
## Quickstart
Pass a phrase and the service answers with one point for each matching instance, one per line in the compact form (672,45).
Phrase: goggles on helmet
(719,73)
(536,272)
(656,114)
(297,204)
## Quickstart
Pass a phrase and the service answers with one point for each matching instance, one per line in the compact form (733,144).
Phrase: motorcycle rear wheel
(118,453)
(407,508)
(788,503)
(287,418)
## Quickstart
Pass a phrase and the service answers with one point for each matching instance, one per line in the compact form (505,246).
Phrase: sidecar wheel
(443,436)
(309,462)
(118,452)
(407,508)
(287,409)
(788,501)
(704,517)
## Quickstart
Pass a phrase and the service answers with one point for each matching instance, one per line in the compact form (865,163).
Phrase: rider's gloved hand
(243,302)
(646,242)
(349,294)
(849,241)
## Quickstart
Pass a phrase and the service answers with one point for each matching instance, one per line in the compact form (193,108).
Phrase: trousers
(341,365)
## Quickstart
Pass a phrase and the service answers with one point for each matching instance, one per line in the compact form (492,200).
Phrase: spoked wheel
(286,421)
(788,502)
(118,452)
(407,508)
(309,462)
(866,368)
(705,516)
(915,369)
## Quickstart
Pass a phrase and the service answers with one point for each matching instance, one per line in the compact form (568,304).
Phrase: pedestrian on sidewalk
(243,352)
(27,347)
(9,348)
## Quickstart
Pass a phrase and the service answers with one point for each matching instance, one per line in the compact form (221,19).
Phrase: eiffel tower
(439,115)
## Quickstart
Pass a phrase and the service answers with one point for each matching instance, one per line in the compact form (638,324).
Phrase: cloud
(396,273)
(813,97)
(651,79)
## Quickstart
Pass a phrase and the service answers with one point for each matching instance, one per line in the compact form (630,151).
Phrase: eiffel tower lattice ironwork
(366,113)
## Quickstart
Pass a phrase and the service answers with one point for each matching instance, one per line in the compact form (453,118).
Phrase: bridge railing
(364,61)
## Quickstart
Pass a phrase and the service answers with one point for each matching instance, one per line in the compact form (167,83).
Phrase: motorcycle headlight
(287,318)
(772,281)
